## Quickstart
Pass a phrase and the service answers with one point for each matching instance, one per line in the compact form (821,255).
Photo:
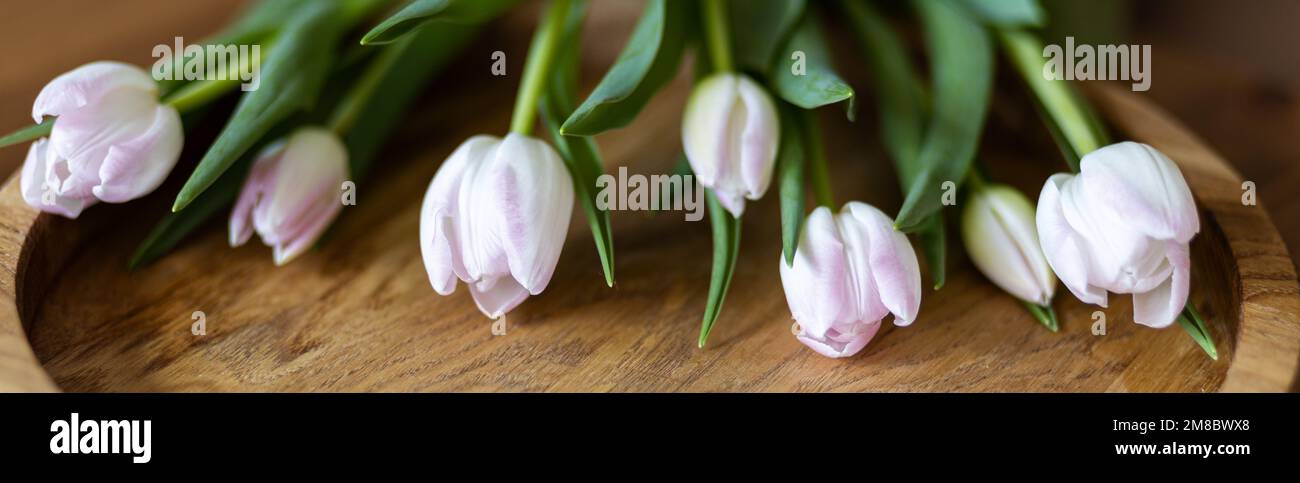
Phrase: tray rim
(35,247)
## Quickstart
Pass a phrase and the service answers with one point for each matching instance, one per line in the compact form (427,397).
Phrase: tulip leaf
(726,249)
(580,154)
(292,78)
(29,133)
(648,61)
(902,112)
(421,12)
(174,227)
(1008,13)
(1192,322)
(398,74)
(790,175)
(802,74)
(1045,314)
(961,56)
(759,28)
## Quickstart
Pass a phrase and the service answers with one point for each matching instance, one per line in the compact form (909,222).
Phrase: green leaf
(420,12)
(759,27)
(790,175)
(175,227)
(647,63)
(961,56)
(902,112)
(1008,13)
(580,154)
(29,133)
(1192,322)
(1045,314)
(817,84)
(726,249)
(291,80)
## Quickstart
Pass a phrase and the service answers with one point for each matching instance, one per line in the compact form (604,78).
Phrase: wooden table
(287,354)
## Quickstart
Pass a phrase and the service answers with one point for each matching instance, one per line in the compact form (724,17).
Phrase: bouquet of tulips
(496,213)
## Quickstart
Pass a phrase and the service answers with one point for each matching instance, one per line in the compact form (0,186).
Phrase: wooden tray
(358,314)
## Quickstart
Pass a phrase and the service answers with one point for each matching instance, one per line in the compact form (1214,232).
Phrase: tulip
(495,216)
(730,134)
(1002,240)
(292,193)
(113,141)
(850,270)
(1123,225)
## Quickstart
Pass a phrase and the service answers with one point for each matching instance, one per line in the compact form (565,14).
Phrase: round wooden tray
(358,314)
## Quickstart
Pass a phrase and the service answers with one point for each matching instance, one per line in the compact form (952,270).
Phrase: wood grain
(358,314)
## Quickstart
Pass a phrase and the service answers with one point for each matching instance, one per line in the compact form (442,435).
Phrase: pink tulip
(730,133)
(1122,225)
(292,193)
(496,216)
(851,269)
(113,141)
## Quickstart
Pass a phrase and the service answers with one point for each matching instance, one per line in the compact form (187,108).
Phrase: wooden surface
(359,315)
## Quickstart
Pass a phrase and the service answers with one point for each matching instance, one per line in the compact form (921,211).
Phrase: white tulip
(1122,225)
(730,133)
(292,193)
(113,141)
(1002,241)
(496,216)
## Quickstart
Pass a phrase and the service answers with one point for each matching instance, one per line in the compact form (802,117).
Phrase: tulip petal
(710,106)
(838,345)
(88,84)
(532,189)
(819,287)
(1160,306)
(1062,245)
(136,167)
(894,268)
(497,295)
(36,189)
(256,185)
(757,155)
(440,244)
(1142,187)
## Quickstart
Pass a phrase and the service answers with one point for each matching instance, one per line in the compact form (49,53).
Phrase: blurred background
(1227,69)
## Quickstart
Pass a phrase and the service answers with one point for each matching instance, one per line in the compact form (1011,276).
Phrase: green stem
(1072,121)
(546,44)
(818,172)
(361,94)
(717,34)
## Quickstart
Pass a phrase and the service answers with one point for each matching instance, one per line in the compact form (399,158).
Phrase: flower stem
(818,172)
(541,57)
(361,94)
(717,34)
(1075,126)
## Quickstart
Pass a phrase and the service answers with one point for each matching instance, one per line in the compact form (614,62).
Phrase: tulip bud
(292,193)
(730,133)
(496,216)
(1123,225)
(113,141)
(1002,240)
(851,269)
